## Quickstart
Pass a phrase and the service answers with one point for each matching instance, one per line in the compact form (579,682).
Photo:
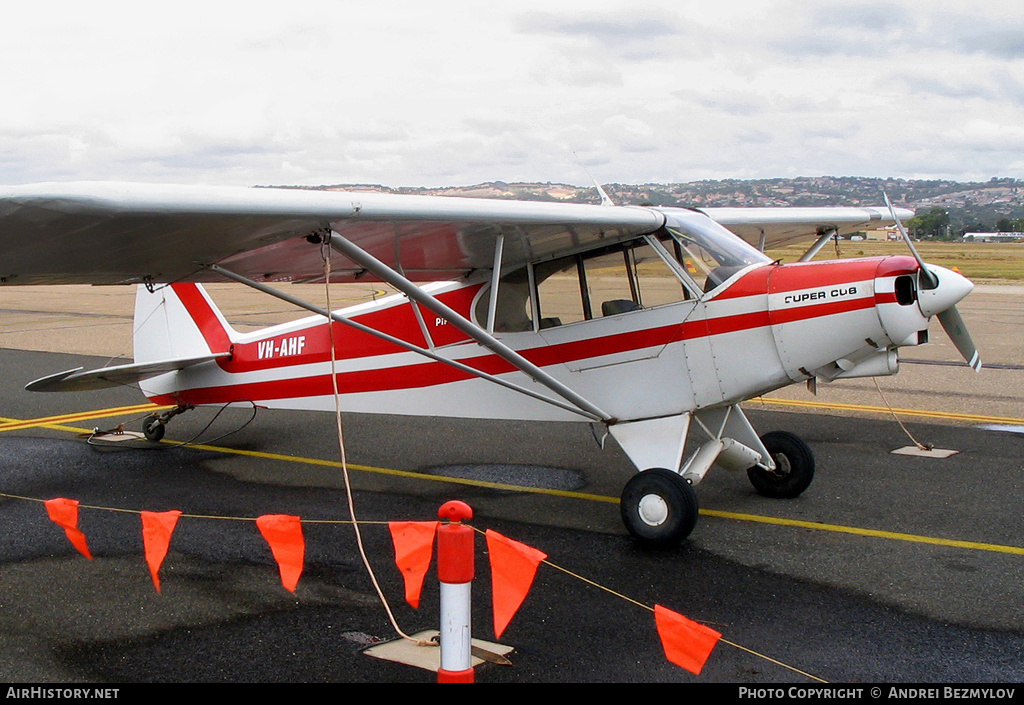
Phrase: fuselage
(767,326)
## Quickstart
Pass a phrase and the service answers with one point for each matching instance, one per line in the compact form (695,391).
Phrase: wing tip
(51,383)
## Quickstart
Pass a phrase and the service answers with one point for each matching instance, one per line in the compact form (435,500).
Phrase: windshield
(710,253)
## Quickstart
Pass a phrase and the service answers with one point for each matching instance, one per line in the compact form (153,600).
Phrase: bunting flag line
(513,568)
(687,643)
(284,534)
(414,548)
(64,513)
(157,528)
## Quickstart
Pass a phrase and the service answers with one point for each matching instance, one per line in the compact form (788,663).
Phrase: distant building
(992,237)
(880,234)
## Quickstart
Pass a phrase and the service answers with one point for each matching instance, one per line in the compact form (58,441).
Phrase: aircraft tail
(178,321)
(176,327)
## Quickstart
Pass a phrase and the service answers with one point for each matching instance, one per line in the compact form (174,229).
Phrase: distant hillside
(997,204)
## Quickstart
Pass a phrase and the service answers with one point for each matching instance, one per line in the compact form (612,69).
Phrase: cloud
(314,92)
(631,33)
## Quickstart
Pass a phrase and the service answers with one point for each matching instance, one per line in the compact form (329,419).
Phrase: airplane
(651,323)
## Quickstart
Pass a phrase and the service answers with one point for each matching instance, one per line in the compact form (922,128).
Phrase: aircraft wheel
(152,429)
(659,507)
(794,467)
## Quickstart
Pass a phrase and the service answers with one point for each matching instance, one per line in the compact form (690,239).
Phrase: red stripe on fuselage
(398,320)
(803,313)
(426,374)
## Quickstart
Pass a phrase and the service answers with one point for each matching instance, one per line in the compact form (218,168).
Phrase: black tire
(659,507)
(152,429)
(794,469)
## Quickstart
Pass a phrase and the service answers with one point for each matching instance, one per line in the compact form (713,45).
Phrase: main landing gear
(794,467)
(659,507)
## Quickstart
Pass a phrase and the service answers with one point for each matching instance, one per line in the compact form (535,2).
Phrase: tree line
(938,224)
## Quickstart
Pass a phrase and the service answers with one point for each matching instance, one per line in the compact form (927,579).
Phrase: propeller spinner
(939,291)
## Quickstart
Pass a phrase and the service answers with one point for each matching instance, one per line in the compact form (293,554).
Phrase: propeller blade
(954,326)
(928,278)
(949,317)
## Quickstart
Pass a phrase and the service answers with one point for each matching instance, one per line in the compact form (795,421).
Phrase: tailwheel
(794,467)
(153,428)
(659,507)
(154,425)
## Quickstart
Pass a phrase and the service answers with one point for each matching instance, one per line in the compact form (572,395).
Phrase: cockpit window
(605,282)
(690,256)
(710,253)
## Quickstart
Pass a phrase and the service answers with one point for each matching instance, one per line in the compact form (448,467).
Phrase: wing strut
(372,264)
(397,341)
(819,243)
(492,304)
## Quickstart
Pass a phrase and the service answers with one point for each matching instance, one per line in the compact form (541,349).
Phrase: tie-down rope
(325,253)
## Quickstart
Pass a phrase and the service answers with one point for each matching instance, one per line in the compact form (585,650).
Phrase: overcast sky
(310,92)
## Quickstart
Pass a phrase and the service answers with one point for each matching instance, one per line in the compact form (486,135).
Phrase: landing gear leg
(153,426)
(659,507)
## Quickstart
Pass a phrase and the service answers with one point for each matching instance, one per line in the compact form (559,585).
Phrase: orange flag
(156,538)
(284,534)
(513,567)
(64,512)
(414,547)
(687,643)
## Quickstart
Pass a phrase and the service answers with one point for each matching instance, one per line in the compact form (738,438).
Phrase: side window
(611,285)
(512,312)
(693,255)
(605,282)
(581,287)
(560,292)
(657,283)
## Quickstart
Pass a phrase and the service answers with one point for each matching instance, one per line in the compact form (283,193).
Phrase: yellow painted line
(895,536)
(406,473)
(817,526)
(975,418)
(17,424)
(735,516)
(54,422)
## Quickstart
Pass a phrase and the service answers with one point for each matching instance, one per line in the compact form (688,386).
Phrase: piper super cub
(646,321)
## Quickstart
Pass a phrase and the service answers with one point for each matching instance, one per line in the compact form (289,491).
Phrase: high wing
(110,233)
(781,226)
(121,233)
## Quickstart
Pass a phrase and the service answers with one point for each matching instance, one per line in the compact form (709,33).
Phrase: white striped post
(455,569)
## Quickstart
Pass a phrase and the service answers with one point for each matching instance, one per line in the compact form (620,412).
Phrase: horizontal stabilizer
(118,376)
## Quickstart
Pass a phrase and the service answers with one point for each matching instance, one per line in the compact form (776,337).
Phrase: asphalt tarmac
(890,569)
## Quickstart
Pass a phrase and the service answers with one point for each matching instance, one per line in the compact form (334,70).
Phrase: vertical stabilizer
(177,321)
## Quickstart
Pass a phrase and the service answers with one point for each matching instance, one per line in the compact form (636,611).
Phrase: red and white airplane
(652,323)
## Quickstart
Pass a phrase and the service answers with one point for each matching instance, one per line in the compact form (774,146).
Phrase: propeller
(940,290)
(928,278)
